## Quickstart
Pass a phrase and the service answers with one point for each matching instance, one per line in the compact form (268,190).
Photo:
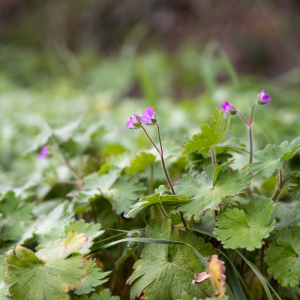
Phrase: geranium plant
(194,224)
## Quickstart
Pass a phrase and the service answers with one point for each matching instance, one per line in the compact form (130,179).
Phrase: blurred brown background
(261,37)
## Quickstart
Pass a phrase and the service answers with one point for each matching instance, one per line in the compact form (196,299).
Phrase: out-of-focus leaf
(140,162)
(15,216)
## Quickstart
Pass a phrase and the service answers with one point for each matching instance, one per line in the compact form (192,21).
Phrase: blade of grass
(262,279)
(156,241)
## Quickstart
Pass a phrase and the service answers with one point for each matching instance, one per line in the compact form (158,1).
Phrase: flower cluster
(148,118)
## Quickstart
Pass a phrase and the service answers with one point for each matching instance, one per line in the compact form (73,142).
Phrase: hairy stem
(251,145)
(213,155)
(150,139)
(243,118)
(279,185)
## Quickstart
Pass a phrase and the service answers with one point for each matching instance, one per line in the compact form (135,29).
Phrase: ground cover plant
(190,200)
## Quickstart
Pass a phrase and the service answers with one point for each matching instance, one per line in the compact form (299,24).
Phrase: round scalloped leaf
(210,188)
(283,257)
(48,274)
(247,227)
(165,271)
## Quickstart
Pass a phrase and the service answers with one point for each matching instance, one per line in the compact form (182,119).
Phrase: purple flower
(130,125)
(226,107)
(263,98)
(44,153)
(148,116)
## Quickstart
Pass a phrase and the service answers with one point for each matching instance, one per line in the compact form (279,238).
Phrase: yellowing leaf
(215,274)
(48,274)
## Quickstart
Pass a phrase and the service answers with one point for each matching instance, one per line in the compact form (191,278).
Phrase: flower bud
(263,98)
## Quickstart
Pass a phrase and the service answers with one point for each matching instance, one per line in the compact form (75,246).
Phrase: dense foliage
(90,210)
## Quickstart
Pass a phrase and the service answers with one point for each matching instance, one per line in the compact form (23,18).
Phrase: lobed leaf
(165,271)
(90,230)
(48,274)
(140,162)
(247,227)
(211,134)
(93,278)
(210,188)
(283,257)
(273,157)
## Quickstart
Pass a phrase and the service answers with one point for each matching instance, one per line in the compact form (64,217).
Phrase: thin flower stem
(67,163)
(77,179)
(243,118)
(166,172)
(252,111)
(279,185)
(150,139)
(163,162)
(251,145)
(213,155)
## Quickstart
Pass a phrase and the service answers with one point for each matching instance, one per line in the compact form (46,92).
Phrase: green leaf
(15,216)
(90,230)
(294,183)
(210,188)
(160,196)
(211,134)
(123,193)
(283,257)
(120,191)
(104,295)
(4,294)
(48,274)
(57,218)
(93,278)
(165,271)
(140,162)
(287,215)
(232,145)
(247,227)
(273,157)
(93,183)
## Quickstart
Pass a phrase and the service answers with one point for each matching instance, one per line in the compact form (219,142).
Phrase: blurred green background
(99,61)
